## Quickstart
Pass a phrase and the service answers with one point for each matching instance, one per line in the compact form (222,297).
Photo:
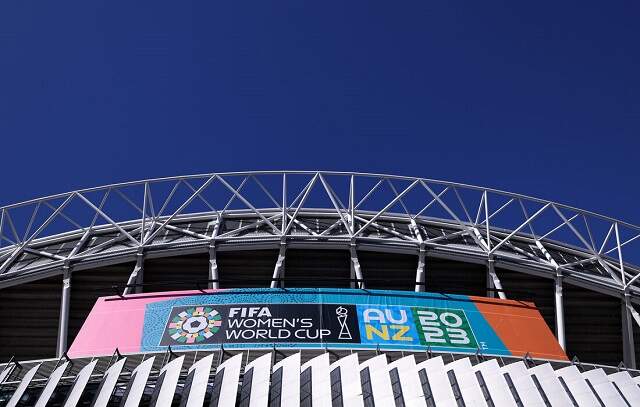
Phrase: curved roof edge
(278,206)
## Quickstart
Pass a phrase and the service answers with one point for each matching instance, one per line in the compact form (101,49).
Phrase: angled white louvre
(80,383)
(523,383)
(198,378)
(461,373)
(604,388)
(437,381)
(52,383)
(24,383)
(627,386)
(377,373)
(255,383)
(409,381)
(576,387)
(288,391)
(5,372)
(318,369)
(346,373)
(348,381)
(550,385)
(225,384)
(108,384)
(496,385)
(137,383)
(168,380)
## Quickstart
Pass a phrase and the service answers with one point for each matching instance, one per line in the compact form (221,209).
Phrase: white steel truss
(124,221)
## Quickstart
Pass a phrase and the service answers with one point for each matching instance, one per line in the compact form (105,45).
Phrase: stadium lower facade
(315,289)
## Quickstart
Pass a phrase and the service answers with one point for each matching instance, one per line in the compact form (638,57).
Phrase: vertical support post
(63,322)
(628,346)
(420,276)
(559,311)
(278,270)
(490,286)
(356,271)
(352,219)
(213,267)
(137,275)
(493,280)
(213,256)
(284,204)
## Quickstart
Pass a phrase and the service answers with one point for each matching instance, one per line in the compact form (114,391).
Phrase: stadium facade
(315,288)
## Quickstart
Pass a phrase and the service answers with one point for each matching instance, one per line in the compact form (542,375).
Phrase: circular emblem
(195,324)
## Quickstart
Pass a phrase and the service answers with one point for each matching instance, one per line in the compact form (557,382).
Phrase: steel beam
(63,322)
(628,346)
(493,280)
(213,267)
(356,271)
(420,276)
(559,305)
(490,287)
(136,276)
(278,270)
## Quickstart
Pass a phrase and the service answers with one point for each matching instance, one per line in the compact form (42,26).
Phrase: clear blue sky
(541,98)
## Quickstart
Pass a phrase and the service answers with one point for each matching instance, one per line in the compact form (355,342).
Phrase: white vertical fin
(497,385)
(438,381)
(170,373)
(138,382)
(51,385)
(412,393)
(261,372)
(108,384)
(198,389)
(225,388)
(290,384)
(320,381)
(78,386)
(523,384)
(24,383)
(349,380)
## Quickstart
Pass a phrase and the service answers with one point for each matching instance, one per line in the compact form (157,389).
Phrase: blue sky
(539,98)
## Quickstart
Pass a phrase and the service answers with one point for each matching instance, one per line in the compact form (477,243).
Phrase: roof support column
(628,346)
(356,271)
(420,276)
(137,276)
(490,287)
(278,270)
(559,303)
(213,256)
(493,282)
(63,322)
(213,267)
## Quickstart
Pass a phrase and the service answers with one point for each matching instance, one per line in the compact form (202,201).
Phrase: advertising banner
(315,318)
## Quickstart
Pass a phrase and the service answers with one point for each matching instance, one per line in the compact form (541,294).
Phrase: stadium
(287,288)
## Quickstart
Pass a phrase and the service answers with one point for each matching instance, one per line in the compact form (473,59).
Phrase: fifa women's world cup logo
(195,325)
(342,315)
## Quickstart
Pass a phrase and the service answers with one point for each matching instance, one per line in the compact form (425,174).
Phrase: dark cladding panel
(387,271)
(31,312)
(455,277)
(246,268)
(525,287)
(593,326)
(87,286)
(317,268)
(176,273)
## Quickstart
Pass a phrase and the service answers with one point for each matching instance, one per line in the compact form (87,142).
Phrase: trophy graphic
(342,314)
